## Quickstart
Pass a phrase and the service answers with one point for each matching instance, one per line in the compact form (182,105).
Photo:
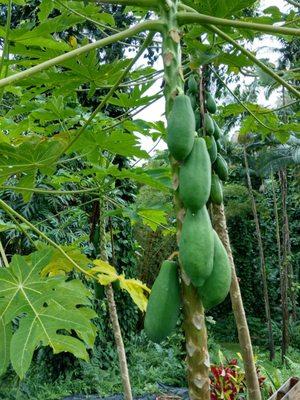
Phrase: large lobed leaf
(106,274)
(48,311)
(219,8)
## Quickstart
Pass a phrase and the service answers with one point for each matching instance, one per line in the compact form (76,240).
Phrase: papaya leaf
(5,339)
(153,218)
(106,274)
(117,142)
(139,175)
(59,264)
(219,8)
(48,310)
(26,159)
(136,290)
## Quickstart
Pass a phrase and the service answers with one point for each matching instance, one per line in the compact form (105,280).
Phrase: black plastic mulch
(162,390)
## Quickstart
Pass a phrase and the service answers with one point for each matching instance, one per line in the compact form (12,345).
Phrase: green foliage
(150,364)
(42,116)
(43,307)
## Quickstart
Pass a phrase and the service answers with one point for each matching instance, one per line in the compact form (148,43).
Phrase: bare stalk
(193,17)
(113,313)
(262,258)
(3,255)
(220,225)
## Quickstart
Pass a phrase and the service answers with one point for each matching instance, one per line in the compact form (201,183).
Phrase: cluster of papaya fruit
(193,140)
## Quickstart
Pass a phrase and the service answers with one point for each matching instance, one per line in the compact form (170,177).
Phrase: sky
(262,46)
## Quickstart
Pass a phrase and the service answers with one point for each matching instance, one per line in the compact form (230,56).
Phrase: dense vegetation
(87,216)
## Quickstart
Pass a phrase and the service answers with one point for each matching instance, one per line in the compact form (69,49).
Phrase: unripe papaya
(219,146)
(164,303)
(192,85)
(196,246)
(216,192)
(208,124)
(195,177)
(201,132)
(193,100)
(217,131)
(217,286)
(181,128)
(197,119)
(211,148)
(210,103)
(221,168)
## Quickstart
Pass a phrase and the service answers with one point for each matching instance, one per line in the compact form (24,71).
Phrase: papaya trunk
(3,256)
(284,276)
(286,251)
(194,321)
(198,363)
(220,225)
(286,242)
(262,259)
(283,280)
(114,316)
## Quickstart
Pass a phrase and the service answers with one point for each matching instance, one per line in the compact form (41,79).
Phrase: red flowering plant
(227,381)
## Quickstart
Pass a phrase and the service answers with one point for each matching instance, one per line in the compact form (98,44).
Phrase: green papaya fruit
(193,100)
(195,177)
(219,146)
(217,131)
(216,192)
(208,124)
(197,119)
(196,246)
(210,103)
(164,303)
(211,148)
(192,84)
(217,286)
(221,168)
(201,132)
(181,128)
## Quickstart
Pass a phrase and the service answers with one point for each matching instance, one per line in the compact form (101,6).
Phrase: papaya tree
(45,74)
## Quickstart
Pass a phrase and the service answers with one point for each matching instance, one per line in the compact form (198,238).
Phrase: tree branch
(252,57)
(151,4)
(5,50)
(293,3)
(143,26)
(270,128)
(3,255)
(194,17)
(49,192)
